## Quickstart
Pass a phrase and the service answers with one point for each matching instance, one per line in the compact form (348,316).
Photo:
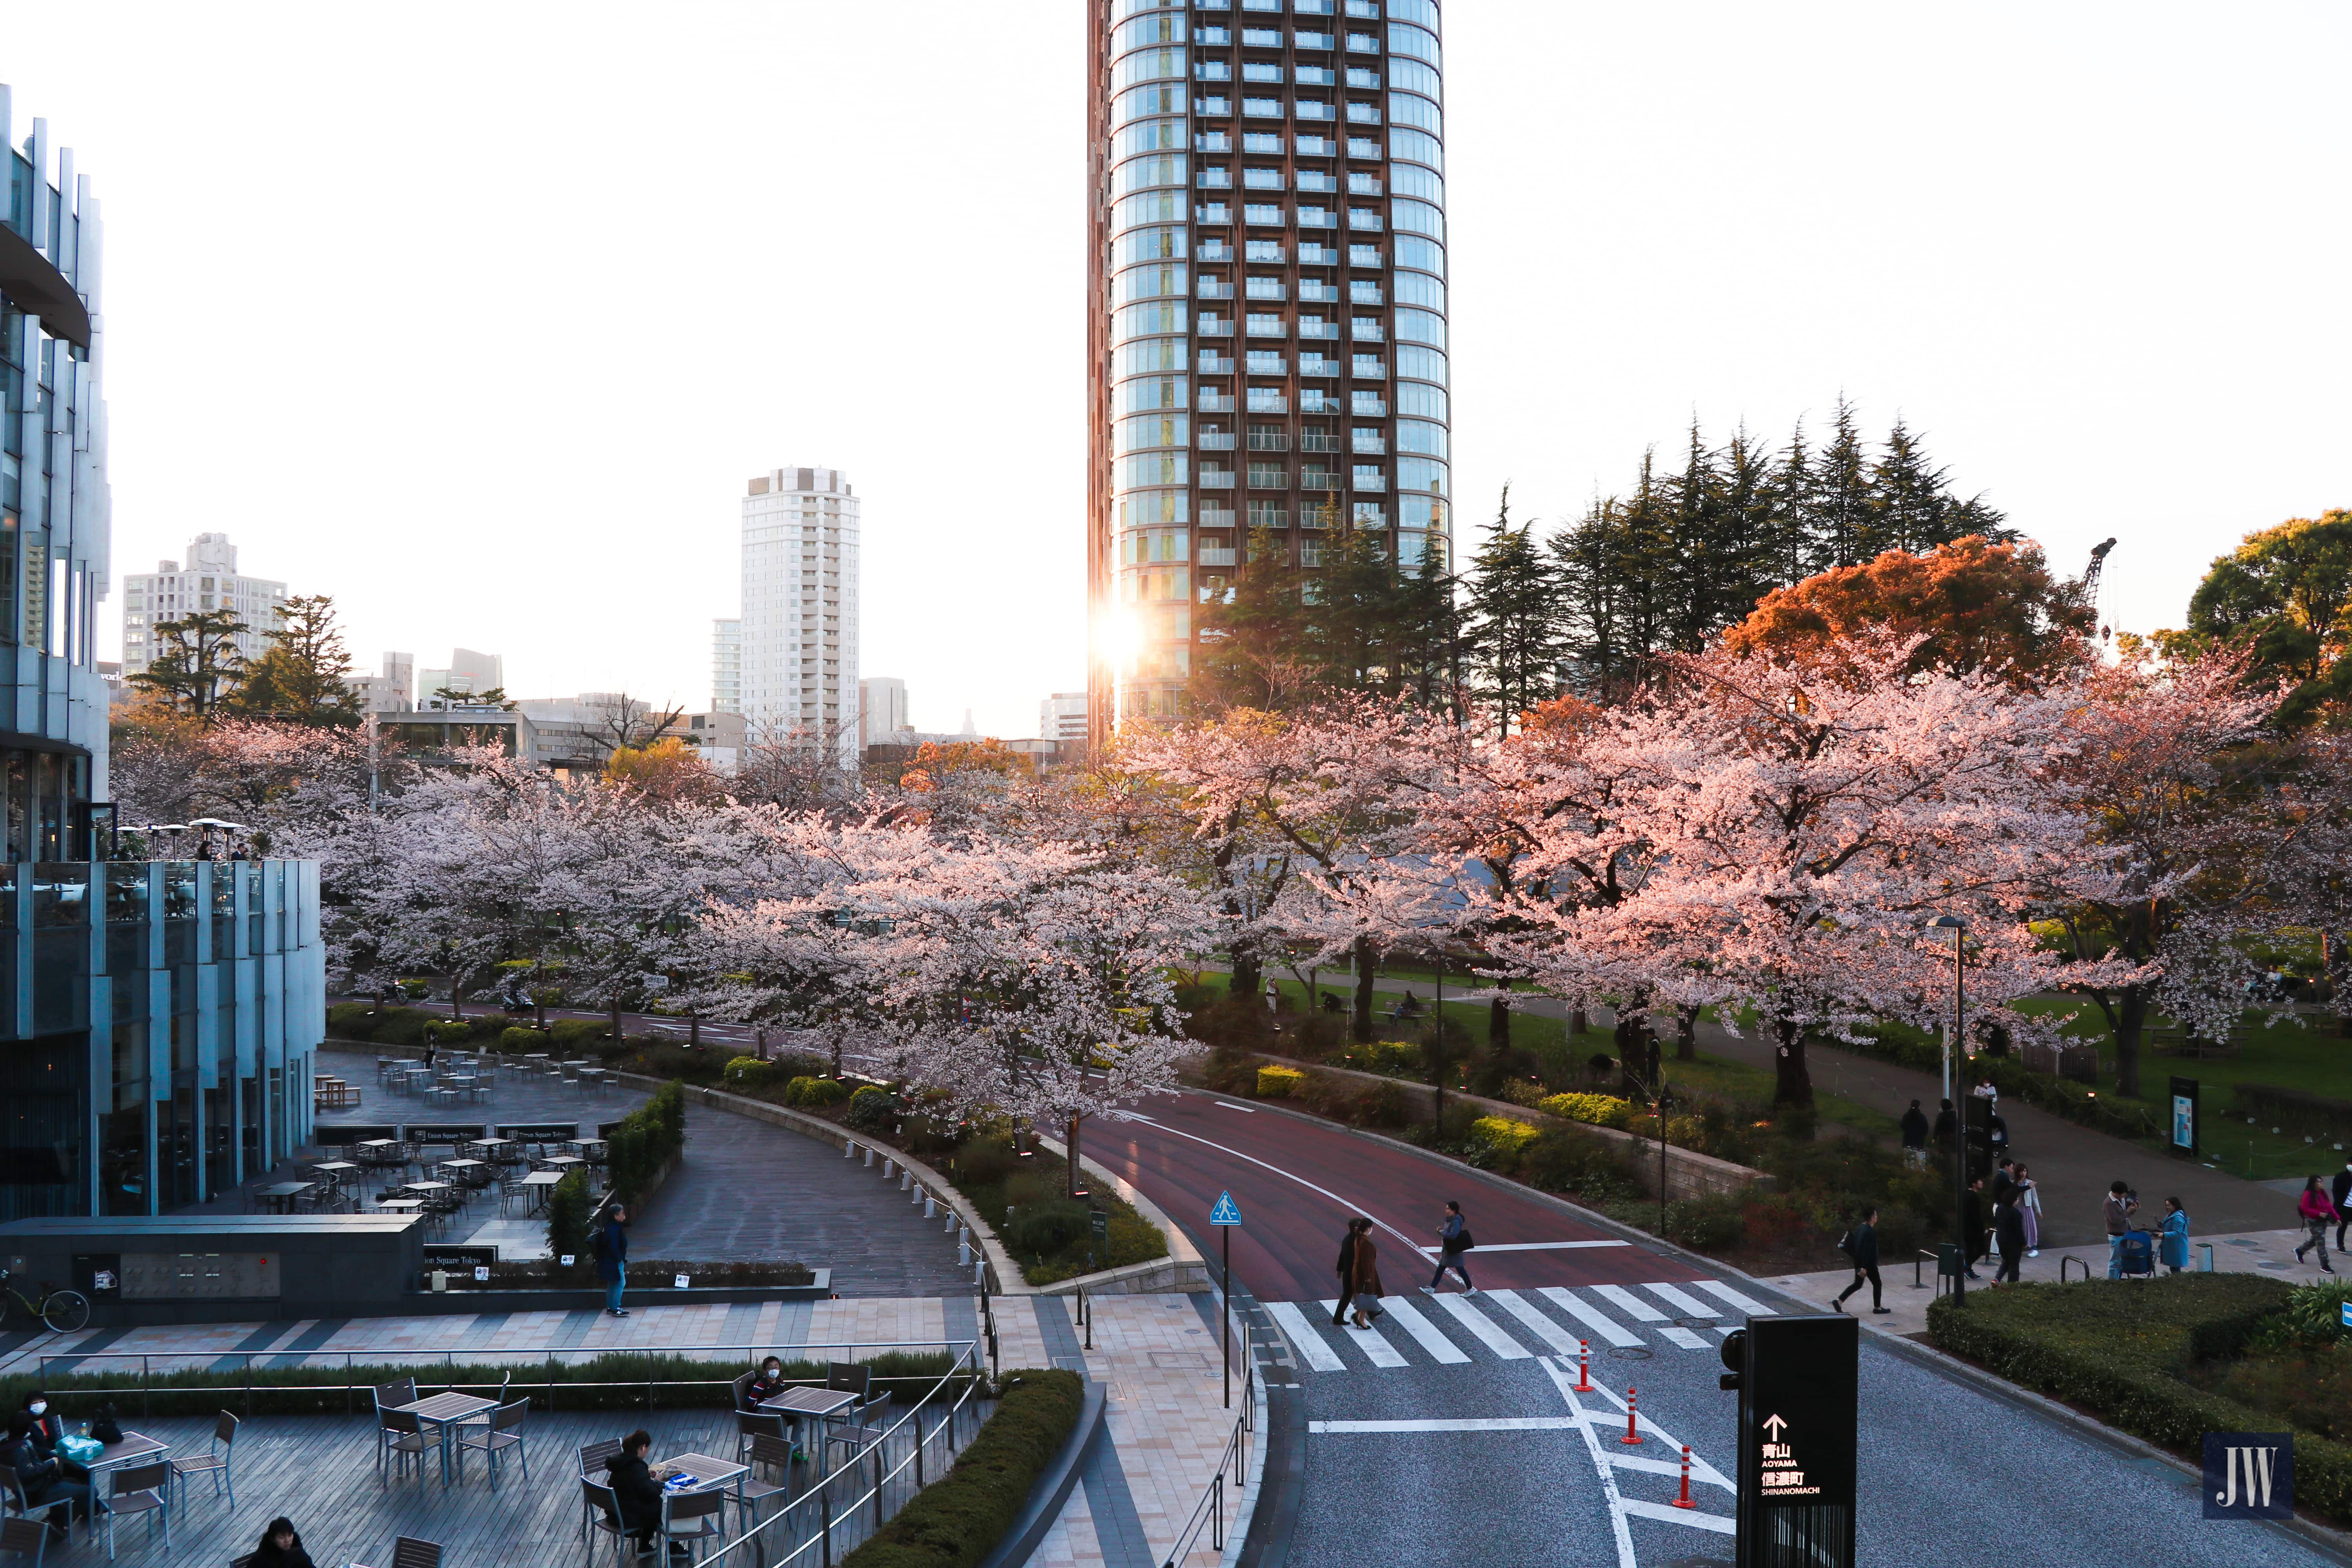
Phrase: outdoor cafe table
(489,1148)
(278,1195)
(463,1169)
(426,1187)
(586,1147)
(709,1473)
(135,1449)
(445,1411)
(563,1162)
(400,1205)
(541,1182)
(818,1405)
(334,1169)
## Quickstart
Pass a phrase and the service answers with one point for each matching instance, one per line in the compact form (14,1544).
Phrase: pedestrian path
(1470,1329)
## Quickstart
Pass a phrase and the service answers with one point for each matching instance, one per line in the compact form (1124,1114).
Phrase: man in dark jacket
(2008,1235)
(1347,1275)
(1915,1136)
(2340,1192)
(1862,1245)
(44,1480)
(1972,1225)
(638,1495)
(612,1258)
(1945,1126)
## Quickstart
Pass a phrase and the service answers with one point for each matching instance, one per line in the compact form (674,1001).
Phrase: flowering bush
(817,1091)
(1278,1083)
(1502,1137)
(1599,1109)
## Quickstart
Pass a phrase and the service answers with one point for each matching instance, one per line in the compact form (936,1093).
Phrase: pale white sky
(478,317)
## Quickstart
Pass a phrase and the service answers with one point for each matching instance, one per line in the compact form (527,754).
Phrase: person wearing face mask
(281,1547)
(48,1427)
(768,1384)
(43,1480)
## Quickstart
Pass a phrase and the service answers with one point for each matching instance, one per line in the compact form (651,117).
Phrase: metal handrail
(1209,1511)
(967,1364)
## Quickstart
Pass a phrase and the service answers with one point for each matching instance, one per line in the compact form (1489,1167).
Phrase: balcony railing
(1318,218)
(1214,251)
(1269,364)
(1214,554)
(1313,40)
(1316,75)
(1216,365)
(1366,294)
(1270,288)
(1210,290)
(1371,447)
(1219,106)
(1313,400)
(1368,81)
(1315,180)
(1211,327)
(1316,289)
(1318,329)
(1366,368)
(1368,333)
(1216,479)
(1217,517)
(1215,180)
(1363,113)
(1213,401)
(1215,441)
(1363,407)
(1363,184)
(1269,440)
(1306,108)
(1213,211)
(1363,221)
(1265,400)
(1358,255)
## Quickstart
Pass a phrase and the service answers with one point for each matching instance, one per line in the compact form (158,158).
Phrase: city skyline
(2117,261)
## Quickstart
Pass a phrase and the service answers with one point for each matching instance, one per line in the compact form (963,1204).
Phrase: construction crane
(2091,578)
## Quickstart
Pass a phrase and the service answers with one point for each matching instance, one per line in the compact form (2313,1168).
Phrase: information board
(2184,1116)
(199,1276)
(1799,1384)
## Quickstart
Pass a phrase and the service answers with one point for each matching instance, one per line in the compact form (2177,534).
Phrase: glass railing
(1216,479)
(1269,364)
(1216,556)
(1316,218)
(1376,369)
(1369,407)
(1263,289)
(1370,482)
(1371,447)
(1313,401)
(1217,517)
(1316,289)
(1225,253)
(1215,441)
(1216,365)
(1363,114)
(1216,402)
(1367,334)
(1309,109)
(1209,290)
(1215,329)
(1269,441)
(1363,185)
(1265,400)
(1309,365)
(1313,255)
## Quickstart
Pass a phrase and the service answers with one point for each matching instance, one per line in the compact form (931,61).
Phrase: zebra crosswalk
(1512,1325)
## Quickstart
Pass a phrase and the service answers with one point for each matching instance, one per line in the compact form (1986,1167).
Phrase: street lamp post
(1954,929)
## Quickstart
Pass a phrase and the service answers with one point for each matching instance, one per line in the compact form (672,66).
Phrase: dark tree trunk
(1791,1084)
(1634,1050)
(457,992)
(1075,1189)
(694,1030)
(1363,1023)
(617,1023)
(1248,976)
(1685,1033)
(1578,1024)
(2132,1019)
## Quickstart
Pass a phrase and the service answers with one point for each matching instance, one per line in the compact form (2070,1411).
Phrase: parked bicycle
(62,1311)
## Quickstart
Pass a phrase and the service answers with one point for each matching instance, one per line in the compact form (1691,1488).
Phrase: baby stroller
(2138,1255)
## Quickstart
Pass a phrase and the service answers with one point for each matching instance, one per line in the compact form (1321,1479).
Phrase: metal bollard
(977,1265)
(951,1221)
(963,1253)
(849,1150)
(888,1167)
(930,1207)
(869,1155)
(905,1180)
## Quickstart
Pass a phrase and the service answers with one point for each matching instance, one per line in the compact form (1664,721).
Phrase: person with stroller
(2317,1212)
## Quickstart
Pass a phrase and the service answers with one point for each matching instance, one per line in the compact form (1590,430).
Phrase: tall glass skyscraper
(1267,307)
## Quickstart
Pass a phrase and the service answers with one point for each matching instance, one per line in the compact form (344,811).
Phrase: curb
(1054,1488)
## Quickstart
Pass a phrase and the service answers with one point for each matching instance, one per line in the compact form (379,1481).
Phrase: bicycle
(62,1311)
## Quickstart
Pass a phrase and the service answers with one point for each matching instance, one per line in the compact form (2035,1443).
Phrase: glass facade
(1269,249)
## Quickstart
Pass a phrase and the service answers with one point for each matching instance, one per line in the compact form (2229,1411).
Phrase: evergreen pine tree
(1838,529)
(1514,619)
(1429,636)
(304,678)
(200,667)
(1255,647)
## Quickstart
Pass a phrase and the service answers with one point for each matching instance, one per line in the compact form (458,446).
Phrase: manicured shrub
(646,1139)
(958,1520)
(567,1225)
(871,1109)
(350,1021)
(1709,1224)
(1503,1139)
(1599,1109)
(749,1073)
(816,1091)
(1040,1230)
(519,1041)
(573,1035)
(1278,1083)
(449,1031)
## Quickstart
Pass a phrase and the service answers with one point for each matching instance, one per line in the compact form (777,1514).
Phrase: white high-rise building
(799,610)
(727,666)
(1063,716)
(882,710)
(210,581)
(469,671)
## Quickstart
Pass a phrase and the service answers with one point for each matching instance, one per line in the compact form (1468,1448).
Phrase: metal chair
(24,1538)
(504,1432)
(854,1377)
(410,1552)
(768,1453)
(693,1518)
(12,1495)
(600,1514)
(214,1462)
(593,1458)
(401,1433)
(132,1490)
(753,1425)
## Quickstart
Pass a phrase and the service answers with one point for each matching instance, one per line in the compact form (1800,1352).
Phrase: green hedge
(958,1518)
(406,1027)
(646,1139)
(600,1383)
(2116,1348)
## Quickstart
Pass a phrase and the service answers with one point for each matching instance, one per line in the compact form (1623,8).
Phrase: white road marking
(1669,1467)
(1675,1334)
(1598,1323)
(1489,1423)
(1700,1469)
(1229,1105)
(1599,1464)
(1545,1329)
(1480,1324)
(1681,1302)
(1262,1164)
(1439,1347)
(1625,1301)
(1533,1245)
(1718,1288)
(1666,1513)
(1369,1341)
(1303,1337)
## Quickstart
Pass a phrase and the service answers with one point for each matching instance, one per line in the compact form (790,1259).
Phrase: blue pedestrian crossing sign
(1224,1212)
(2347,1314)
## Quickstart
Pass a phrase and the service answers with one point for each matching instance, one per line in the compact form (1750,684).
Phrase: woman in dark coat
(1347,1274)
(634,1489)
(2009,1234)
(1365,1275)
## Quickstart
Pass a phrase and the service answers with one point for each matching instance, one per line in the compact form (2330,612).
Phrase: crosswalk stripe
(1683,1302)
(1746,1304)
(1369,1341)
(1478,1323)
(1674,1335)
(1546,1330)
(1722,1524)
(1598,1322)
(1424,1331)
(1303,1339)
(1632,1306)
(1472,1424)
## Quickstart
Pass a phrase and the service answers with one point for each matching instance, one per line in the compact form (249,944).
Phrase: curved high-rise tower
(1267,307)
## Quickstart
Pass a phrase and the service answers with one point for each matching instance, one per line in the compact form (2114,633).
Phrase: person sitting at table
(281,1547)
(768,1384)
(47,1427)
(634,1490)
(44,1480)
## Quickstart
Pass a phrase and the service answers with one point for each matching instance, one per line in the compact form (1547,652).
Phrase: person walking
(2004,1177)
(1973,1234)
(1365,1286)
(2341,1191)
(1347,1275)
(1861,1246)
(2118,1211)
(2316,1214)
(612,1258)
(2174,1240)
(2028,1205)
(1915,1137)
(1453,1241)
(2008,1235)
(1946,1123)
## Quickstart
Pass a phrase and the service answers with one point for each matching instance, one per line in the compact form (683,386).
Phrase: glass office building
(1266,314)
(157,1018)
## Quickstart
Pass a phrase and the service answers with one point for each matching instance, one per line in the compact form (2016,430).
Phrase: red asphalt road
(1297,1183)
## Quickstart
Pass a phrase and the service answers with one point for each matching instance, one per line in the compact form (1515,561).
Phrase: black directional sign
(1797,1389)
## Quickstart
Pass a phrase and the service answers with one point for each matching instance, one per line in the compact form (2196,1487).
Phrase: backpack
(597,1246)
(105,1426)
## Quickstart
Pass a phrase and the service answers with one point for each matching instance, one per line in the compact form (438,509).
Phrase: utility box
(1799,1382)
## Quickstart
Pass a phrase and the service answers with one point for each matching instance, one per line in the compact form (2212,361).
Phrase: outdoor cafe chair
(593,1458)
(504,1432)
(693,1518)
(23,1538)
(752,1425)
(387,1395)
(410,1552)
(600,1517)
(138,1489)
(12,1495)
(852,1378)
(769,1454)
(214,1462)
(401,1434)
